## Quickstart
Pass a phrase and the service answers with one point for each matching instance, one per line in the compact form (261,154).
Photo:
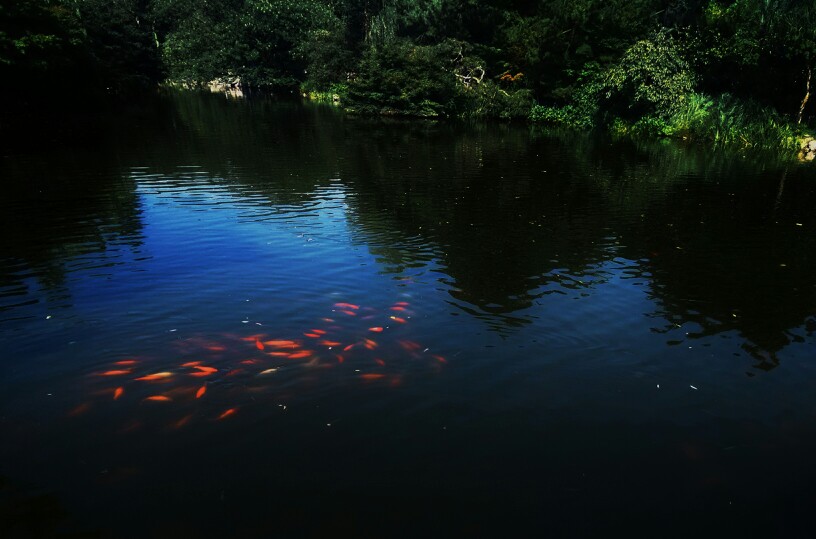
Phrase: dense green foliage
(732,71)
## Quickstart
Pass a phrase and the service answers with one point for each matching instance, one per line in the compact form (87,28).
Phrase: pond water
(259,318)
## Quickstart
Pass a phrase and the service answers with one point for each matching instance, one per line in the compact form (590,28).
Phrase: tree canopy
(633,58)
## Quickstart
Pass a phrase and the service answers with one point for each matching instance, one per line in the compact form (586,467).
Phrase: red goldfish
(157,376)
(227,413)
(115,373)
(282,344)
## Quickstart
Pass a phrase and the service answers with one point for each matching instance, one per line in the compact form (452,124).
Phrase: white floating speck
(692,387)
(658,386)
(48,317)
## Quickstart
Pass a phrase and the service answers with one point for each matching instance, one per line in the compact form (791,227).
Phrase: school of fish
(210,380)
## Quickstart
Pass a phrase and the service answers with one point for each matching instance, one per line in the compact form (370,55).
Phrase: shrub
(404,78)
(652,78)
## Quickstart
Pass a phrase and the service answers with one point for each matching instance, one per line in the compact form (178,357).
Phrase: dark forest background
(723,70)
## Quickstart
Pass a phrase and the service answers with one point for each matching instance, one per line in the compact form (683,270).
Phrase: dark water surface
(579,337)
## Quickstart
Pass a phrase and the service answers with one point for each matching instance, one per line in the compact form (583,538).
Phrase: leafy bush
(652,78)
(566,116)
(489,100)
(403,78)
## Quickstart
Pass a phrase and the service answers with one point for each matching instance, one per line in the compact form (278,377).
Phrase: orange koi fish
(227,413)
(201,391)
(397,319)
(300,355)
(340,358)
(118,393)
(440,359)
(330,343)
(191,364)
(250,362)
(347,306)
(312,335)
(158,398)
(216,348)
(379,362)
(259,345)
(401,304)
(372,376)
(377,329)
(208,370)
(349,347)
(319,331)
(252,338)
(203,371)
(126,362)
(398,308)
(371,345)
(282,344)
(278,354)
(410,346)
(183,421)
(115,372)
(157,376)
(350,313)
(329,320)
(233,372)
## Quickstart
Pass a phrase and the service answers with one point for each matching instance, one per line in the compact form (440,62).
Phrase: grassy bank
(721,121)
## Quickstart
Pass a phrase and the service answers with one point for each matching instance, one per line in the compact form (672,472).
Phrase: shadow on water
(26,514)
(55,212)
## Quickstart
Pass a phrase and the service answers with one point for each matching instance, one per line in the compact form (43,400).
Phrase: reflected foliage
(541,212)
(56,211)
(504,218)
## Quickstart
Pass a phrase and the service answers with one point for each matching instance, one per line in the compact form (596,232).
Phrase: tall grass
(728,121)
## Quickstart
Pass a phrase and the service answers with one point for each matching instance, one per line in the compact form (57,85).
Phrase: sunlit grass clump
(725,120)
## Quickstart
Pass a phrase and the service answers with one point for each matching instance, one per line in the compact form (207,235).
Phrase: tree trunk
(807,96)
